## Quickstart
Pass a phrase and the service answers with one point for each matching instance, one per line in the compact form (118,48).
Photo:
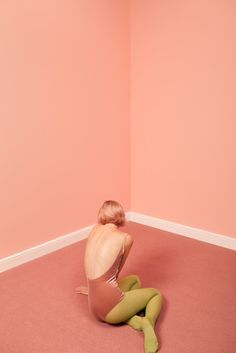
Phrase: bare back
(103,247)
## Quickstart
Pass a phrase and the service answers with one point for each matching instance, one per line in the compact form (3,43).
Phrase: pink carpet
(40,313)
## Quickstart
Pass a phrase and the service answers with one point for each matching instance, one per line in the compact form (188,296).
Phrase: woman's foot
(150,339)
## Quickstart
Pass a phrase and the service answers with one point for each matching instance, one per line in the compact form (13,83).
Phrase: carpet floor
(41,313)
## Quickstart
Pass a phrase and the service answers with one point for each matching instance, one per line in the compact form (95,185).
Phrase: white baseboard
(37,251)
(180,229)
(33,253)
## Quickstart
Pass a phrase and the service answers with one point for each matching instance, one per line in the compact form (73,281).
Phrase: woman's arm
(127,246)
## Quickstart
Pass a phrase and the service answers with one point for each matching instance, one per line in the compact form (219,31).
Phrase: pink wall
(64,116)
(183,124)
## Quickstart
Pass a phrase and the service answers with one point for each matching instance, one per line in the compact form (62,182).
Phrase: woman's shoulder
(105,232)
(125,238)
(124,235)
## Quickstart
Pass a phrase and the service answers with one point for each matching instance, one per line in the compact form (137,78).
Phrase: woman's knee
(157,293)
(129,283)
(132,278)
(159,296)
(137,282)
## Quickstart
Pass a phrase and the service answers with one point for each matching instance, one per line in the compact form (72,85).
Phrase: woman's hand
(81,290)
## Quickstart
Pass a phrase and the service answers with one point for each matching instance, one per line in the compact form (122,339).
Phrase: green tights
(135,300)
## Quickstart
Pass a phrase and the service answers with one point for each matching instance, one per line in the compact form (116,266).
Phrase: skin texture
(103,246)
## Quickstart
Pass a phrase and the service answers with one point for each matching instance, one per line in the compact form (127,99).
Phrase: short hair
(111,212)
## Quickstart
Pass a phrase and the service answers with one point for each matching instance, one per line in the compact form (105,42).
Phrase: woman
(114,300)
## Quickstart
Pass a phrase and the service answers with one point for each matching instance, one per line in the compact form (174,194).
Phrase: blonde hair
(111,212)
